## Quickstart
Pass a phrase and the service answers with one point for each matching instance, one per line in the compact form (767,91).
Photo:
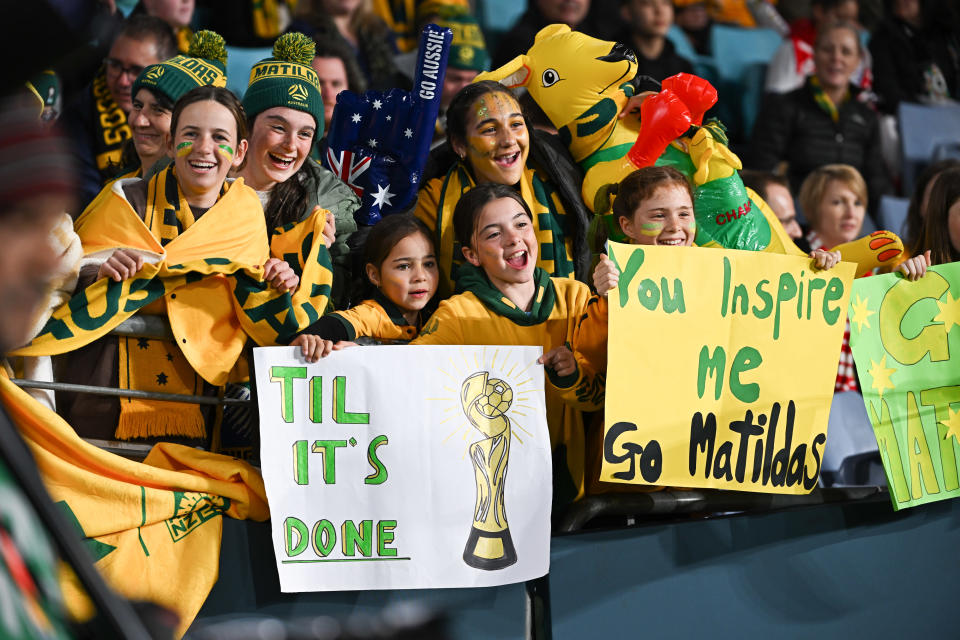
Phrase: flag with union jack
(378,142)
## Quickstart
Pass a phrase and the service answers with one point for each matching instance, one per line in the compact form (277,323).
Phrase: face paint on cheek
(482,146)
(184,149)
(651,229)
(226,151)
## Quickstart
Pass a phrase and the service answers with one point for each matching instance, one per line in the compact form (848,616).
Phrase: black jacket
(667,64)
(791,127)
(902,58)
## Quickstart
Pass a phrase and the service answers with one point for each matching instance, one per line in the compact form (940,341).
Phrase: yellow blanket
(153,528)
(208,271)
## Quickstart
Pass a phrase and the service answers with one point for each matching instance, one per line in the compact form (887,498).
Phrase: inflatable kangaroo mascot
(582,84)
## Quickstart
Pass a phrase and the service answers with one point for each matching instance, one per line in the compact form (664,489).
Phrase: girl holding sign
(401,264)
(507,300)
(654,206)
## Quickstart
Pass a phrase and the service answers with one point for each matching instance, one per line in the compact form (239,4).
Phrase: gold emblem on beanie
(297,92)
(155,72)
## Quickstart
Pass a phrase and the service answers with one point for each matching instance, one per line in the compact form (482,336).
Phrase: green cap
(467,49)
(286,80)
(204,64)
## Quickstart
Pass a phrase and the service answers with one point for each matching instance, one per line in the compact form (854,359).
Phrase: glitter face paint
(226,151)
(497,140)
(184,149)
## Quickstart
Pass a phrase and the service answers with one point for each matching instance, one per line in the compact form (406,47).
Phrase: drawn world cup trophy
(485,401)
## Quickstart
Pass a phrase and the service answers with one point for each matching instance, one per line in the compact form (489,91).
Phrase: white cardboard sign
(398,467)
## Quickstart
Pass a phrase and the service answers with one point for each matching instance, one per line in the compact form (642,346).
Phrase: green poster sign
(906,343)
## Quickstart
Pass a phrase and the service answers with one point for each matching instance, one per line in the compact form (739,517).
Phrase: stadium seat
(496,17)
(703,66)
(239,62)
(924,130)
(741,56)
(893,213)
(851,453)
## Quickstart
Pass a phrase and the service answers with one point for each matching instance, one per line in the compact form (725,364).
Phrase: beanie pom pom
(209,46)
(294,47)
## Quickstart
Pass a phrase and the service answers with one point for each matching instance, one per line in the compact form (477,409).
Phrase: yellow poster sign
(721,368)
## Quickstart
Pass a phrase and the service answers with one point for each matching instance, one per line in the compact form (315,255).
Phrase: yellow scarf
(110,127)
(548,223)
(153,528)
(208,272)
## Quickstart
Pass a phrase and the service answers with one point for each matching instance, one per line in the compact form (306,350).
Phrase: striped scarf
(208,273)
(549,223)
(823,100)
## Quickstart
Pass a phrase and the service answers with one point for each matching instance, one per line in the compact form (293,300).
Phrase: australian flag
(378,142)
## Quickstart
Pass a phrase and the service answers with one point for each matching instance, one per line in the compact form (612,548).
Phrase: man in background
(97,119)
(646,23)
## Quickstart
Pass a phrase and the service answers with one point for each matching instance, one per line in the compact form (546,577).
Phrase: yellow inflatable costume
(582,84)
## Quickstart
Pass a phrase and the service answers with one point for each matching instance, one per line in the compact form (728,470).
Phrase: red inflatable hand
(698,94)
(663,118)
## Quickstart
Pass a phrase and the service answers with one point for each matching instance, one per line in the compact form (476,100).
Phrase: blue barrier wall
(829,571)
(857,570)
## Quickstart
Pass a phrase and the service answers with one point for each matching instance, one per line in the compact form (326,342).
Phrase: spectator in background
(176,13)
(354,23)
(793,62)
(940,232)
(337,70)
(692,16)
(776,192)
(540,13)
(822,122)
(645,31)
(404,17)
(834,199)
(97,119)
(914,59)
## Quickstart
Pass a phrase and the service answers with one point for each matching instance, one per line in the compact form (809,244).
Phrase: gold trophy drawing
(485,401)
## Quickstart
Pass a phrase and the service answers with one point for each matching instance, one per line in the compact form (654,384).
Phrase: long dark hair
(471,204)
(936,223)
(385,235)
(914,232)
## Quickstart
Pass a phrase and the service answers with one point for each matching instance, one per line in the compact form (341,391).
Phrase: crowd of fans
(211,210)
(157,138)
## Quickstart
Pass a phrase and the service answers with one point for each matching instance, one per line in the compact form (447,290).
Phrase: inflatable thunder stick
(582,84)
(379,142)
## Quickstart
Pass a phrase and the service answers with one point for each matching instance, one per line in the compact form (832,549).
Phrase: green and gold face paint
(651,229)
(184,148)
(226,151)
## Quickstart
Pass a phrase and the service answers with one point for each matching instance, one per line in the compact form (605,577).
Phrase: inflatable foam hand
(695,92)
(663,118)
(378,142)
(880,249)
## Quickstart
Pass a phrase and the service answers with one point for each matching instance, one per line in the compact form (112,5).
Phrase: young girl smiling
(401,264)
(507,299)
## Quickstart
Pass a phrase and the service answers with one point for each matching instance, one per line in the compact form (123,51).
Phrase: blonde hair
(815,186)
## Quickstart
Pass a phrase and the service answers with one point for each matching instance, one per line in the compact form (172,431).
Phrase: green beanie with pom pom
(286,80)
(204,64)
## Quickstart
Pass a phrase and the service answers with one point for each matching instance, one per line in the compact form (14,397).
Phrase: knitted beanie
(286,80)
(467,49)
(34,160)
(204,64)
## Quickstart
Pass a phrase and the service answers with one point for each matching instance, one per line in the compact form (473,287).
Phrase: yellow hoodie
(562,313)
